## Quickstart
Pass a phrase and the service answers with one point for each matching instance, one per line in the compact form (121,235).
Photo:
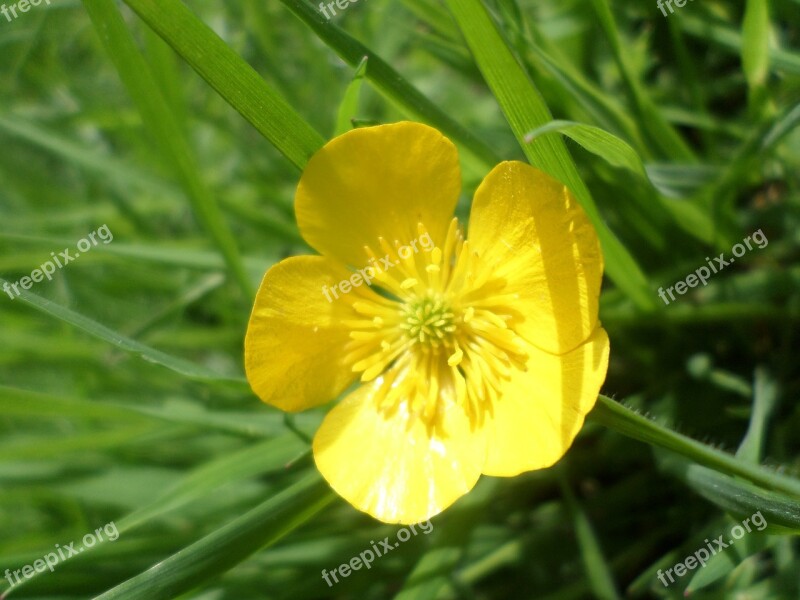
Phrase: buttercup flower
(469,356)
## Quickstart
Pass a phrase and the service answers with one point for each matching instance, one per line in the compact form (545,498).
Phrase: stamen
(448,335)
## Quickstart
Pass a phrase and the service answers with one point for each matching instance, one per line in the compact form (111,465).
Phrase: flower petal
(529,229)
(295,338)
(378,182)
(392,467)
(540,411)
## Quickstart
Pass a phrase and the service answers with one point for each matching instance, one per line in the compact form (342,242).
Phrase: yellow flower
(478,355)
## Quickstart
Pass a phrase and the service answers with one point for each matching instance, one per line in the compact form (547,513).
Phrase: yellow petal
(530,230)
(540,411)
(295,338)
(393,468)
(378,182)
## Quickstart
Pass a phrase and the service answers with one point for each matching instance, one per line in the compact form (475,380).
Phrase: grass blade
(235,80)
(755,50)
(349,106)
(614,415)
(141,85)
(658,129)
(615,151)
(225,548)
(248,462)
(179,365)
(598,572)
(389,82)
(526,110)
(737,497)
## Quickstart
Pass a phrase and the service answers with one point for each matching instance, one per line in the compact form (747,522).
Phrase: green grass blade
(389,82)
(619,153)
(661,134)
(598,572)
(19,402)
(526,110)
(606,111)
(93,328)
(615,416)
(607,146)
(755,41)
(755,50)
(764,402)
(235,80)
(348,109)
(730,39)
(228,546)
(166,255)
(740,498)
(141,85)
(271,454)
(116,172)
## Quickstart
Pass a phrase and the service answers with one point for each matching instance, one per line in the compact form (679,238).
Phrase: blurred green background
(122,396)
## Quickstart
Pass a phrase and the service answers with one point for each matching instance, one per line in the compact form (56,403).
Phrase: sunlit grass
(122,394)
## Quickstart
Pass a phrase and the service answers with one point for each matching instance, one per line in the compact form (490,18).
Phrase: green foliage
(122,394)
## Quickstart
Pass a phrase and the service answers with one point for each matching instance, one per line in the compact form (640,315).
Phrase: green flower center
(429,321)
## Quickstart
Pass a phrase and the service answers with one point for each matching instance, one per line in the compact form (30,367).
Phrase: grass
(184,127)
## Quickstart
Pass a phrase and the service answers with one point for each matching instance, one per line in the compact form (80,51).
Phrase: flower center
(429,321)
(444,337)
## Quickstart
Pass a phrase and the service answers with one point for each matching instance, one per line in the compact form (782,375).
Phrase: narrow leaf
(348,109)
(755,42)
(389,82)
(598,572)
(226,547)
(615,151)
(235,80)
(179,365)
(526,110)
(141,85)
(764,401)
(615,416)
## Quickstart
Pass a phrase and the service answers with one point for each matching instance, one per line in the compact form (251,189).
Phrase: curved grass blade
(659,130)
(242,464)
(157,116)
(606,145)
(739,498)
(179,365)
(619,153)
(526,110)
(598,572)
(615,416)
(348,109)
(235,80)
(389,82)
(226,547)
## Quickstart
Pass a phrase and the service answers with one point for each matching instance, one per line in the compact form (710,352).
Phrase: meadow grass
(183,128)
